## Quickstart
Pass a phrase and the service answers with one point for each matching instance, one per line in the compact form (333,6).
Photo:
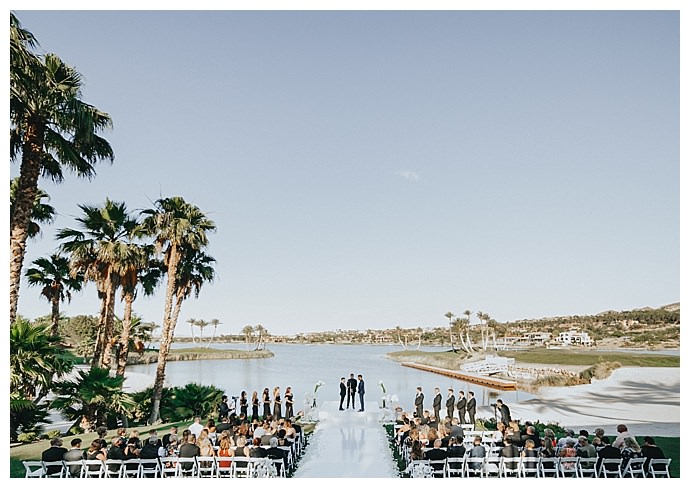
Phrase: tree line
(123,252)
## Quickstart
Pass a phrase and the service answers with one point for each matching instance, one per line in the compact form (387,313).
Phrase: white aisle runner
(348,444)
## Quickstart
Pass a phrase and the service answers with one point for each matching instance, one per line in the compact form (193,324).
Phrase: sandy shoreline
(645,399)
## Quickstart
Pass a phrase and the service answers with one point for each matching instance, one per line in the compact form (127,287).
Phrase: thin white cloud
(408,175)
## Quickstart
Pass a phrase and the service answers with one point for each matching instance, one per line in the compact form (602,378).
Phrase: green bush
(76,430)
(52,434)
(27,437)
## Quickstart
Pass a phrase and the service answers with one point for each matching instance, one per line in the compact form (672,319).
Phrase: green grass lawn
(589,358)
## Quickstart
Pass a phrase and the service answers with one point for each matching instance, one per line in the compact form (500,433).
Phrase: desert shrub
(27,437)
(76,430)
(52,434)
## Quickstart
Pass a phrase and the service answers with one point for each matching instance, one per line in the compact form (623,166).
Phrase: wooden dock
(477,379)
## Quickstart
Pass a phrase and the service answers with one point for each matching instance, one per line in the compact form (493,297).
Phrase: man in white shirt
(196,427)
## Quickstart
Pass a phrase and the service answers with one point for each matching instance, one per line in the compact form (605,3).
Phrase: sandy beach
(645,399)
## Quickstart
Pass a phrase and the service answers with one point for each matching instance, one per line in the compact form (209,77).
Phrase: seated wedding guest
(54,453)
(476,451)
(622,434)
(117,450)
(585,449)
(224,450)
(455,450)
(74,454)
(606,451)
(205,444)
(651,451)
(255,450)
(549,439)
(134,440)
(509,450)
(531,433)
(568,437)
(95,451)
(600,434)
(631,449)
(196,427)
(150,449)
(529,456)
(513,431)
(188,447)
(436,453)
(172,447)
(166,437)
(275,452)
(417,450)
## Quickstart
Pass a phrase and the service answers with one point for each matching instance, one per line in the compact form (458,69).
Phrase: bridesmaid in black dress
(244,403)
(266,397)
(277,409)
(255,406)
(289,413)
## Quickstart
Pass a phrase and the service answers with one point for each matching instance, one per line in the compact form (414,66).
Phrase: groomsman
(437,404)
(462,406)
(471,406)
(450,404)
(343,392)
(419,402)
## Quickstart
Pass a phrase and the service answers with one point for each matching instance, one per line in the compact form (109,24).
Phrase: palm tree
(261,330)
(101,252)
(178,229)
(248,333)
(41,213)
(202,324)
(51,128)
(139,267)
(53,276)
(192,323)
(449,316)
(215,323)
(92,396)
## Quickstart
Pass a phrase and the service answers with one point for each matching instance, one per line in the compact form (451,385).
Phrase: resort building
(575,338)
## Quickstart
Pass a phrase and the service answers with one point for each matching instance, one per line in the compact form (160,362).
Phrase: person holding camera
(503,410)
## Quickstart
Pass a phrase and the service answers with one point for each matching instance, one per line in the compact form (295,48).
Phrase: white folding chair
(34,469)
(454,466)
(567,467)
(206,466)
(279,465)
(93,468)
(548,467)
(492,463)
(529,467)
(635,468)
(474,466)
(509,466)
(73,469)
(439,467)
(168,466)
(131,468)
(149,468)
(114,468)
(241,467)
(420,468)
(610,468)
(262,468)
(290,459)
(53,469)
(224,466)
(658,468)
(588,467)
(185,466)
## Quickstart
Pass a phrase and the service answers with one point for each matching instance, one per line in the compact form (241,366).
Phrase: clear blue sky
(375,169)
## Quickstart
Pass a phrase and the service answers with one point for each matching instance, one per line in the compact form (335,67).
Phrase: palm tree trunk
(100,346)
(55,315)
(29,172)
(124,338)
(109,321)
(166,336)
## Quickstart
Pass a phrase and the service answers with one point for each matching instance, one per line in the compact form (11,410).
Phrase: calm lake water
(301,366)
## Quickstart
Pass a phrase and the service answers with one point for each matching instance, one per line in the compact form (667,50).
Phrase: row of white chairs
(165,467)
(556,467)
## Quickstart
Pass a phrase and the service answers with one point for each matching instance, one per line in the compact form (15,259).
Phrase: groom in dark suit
(343,392)
(419,402)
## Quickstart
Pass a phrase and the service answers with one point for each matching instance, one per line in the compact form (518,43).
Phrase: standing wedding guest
(289,403)
(360,391)
(450,404)
(266,399)
(343,392)
(255,405)
(471,407)
(196,427)
(437,403)
(462,407)
(223,408)
(419,402)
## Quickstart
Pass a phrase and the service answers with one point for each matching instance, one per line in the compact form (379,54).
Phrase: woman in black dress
(255,406)
(266,398)
(289,413)
(244,404)
(277,409)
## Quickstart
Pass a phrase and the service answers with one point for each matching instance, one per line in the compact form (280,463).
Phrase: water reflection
(301,366)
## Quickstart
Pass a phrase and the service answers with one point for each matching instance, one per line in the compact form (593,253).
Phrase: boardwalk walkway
(348,444)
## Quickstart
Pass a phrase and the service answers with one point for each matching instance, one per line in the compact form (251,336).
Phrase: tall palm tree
(41,212)
(261,330)
(51,128)
(52,274)
(99,252)
(202,324)
(215,323)
(138,268)
(192,323)
(449,316)
(178,228)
